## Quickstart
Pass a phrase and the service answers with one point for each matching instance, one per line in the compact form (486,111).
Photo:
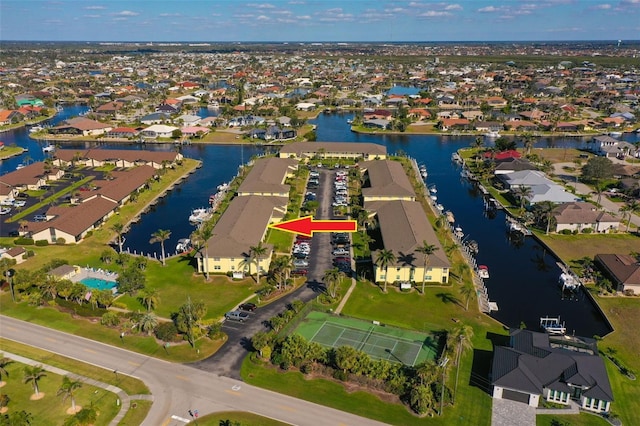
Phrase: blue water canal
(524,275)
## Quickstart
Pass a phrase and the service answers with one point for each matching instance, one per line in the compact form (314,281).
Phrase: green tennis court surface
(379,342)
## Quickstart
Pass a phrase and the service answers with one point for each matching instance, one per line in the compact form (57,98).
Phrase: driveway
(510,413)
(228,360)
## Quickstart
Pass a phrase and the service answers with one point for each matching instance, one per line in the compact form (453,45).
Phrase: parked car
(40,218)
(299,272)
(237,316)
(340,251)
(300,263)
(6,202)
(5,210)
(248,307)
(14,233)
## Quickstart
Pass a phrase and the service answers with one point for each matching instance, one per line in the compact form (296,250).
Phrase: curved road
(178,388)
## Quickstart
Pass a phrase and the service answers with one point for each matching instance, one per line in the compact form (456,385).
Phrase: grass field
(379,342)
(582,419)
(51,409)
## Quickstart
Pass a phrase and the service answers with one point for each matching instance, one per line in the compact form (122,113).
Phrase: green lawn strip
(573,247)
(281,240)
(582,419)
(242,417)
(10,151)
(51,409)
(137,412)
(130,385)
(147,345)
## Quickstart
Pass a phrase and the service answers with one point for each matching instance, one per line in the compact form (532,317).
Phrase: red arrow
(307,226)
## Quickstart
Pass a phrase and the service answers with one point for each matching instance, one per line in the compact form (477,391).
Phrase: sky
(318,20)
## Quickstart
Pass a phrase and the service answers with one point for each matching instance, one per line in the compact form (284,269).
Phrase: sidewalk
(125,400)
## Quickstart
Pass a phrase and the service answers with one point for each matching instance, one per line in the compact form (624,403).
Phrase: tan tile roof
(268,175)
(117,154)
(75,220)
(387,178)
(404,227)
(311,148)
(580,213)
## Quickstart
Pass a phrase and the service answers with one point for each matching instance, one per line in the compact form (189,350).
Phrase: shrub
(23,241)
(166,331)
(110,319)
(120,305)
(587,230)
(61,241)
(566,232)
(4,400)
(340,375)
(42,243)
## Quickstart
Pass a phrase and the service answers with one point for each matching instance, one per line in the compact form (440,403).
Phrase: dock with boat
(552,325)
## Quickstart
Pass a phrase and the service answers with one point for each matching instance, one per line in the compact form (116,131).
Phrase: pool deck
(94,273)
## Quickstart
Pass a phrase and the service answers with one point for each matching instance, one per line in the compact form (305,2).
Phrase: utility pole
(442,364)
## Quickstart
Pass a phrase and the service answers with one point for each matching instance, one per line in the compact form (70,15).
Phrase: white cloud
(490,9)
(434,14)
(92,16)
(261,5)
(453,7)
(94,7)
(304,17)
(334,15)
(262,18)
(126,13)
(165,15)
(604,6)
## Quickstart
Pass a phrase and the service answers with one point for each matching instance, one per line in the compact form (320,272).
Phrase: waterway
(523,274)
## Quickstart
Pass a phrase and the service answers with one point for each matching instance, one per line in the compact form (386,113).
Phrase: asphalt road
(178,388)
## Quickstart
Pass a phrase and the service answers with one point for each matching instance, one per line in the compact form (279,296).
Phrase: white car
(5,210)
(6,202)
(20,203)
(340,252)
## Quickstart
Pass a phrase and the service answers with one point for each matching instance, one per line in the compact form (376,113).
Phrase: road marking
(135,364)
(235,387)
(233,393)
(287,408)
(184,378)
(12,329)
(49,339)
(180,419)
(91,351)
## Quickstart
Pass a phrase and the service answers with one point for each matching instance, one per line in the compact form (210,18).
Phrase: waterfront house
(9,116)
(454,124)
(155,118)
(385,180)
(578,216)
(404,228)
(535,365)
(351,150)
(512,165)
(622,269)
(122,132)
(81,126)
(119,157)
(158,131)
(610,147)
(267,177)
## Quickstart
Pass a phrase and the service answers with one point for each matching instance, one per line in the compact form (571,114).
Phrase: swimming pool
(98,283)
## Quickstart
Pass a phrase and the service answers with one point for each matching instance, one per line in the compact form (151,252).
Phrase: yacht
(492,134)
(48,148)
(552,325)
(568,281)
(34,129)
(199,215)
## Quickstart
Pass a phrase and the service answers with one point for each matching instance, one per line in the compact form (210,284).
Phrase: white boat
(199,215)
(552,325)
(35,129)
(440,207)
(483,271)
(223,186)
(615,134)
(513,226)
(450,217)
(434,197)
(20,166)
(423,171)
(48,148)
(569,281)
(492,134)
(213,105)
(455,157)
(184,245)
(457,231)
(349,121)
(433,189)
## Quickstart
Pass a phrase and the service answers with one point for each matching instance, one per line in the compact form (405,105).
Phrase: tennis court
(378,341)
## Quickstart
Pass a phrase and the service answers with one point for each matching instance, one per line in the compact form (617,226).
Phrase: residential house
(385,180)
(610,147)
(352,150)
(31,177)
(404,228)
(119,157)
(14,253)
(577,216)
(122,132)
(377,123)
(9,116)
(81,126)
(158,131)
(155,118)
(623,269)
(512,165)
(267,177)
(454,124)
(535,365)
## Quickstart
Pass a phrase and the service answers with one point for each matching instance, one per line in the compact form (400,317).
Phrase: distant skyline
(318,20)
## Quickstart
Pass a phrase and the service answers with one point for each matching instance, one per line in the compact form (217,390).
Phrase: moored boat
(568,281)
(440,207)
(184,245)
(199,215)
(492,134)
(450,217)
(483,271)
(48,148)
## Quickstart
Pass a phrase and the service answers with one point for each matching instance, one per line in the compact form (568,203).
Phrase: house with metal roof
(558,369)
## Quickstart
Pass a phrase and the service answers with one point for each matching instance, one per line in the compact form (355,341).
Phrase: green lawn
(138,411)
(582,419)
(178,280)
(51,409)
(244,418)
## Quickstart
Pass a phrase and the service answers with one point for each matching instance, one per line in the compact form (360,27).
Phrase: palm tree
(467,291)
(202,237)
(148,322)
(332,278)
(546,210)
(160,236)
(384,259)
(523,192)
(150,298)
(67,390)
(462,335)
(118,228)
(4,361)
(528,142)
(33,375)
(255,253)
(427,250)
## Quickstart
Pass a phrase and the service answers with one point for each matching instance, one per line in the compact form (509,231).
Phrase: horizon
(294,21)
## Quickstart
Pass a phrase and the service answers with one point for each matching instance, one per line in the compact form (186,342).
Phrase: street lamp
(9,273)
